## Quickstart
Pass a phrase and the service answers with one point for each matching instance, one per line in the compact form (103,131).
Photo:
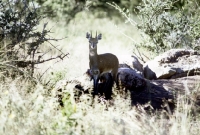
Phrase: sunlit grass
(27,109)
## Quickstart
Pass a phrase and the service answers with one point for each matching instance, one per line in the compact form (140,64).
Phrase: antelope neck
(93,56)
(93,52)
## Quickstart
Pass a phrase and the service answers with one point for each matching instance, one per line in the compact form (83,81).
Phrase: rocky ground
(158,82)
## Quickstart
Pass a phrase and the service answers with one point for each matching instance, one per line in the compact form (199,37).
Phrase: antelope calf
(101,63)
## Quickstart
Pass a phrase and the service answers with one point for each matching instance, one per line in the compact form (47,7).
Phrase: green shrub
(164,25)
(66,10)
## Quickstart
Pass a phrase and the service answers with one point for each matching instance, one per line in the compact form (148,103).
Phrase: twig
(39,62)
(55,47)
(43,74)
(123,13)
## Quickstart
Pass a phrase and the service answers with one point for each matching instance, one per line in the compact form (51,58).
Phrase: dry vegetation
(33,109)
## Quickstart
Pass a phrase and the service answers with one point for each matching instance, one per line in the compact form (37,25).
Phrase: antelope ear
(99,36)
(88,35)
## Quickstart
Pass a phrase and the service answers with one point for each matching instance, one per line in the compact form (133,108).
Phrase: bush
(164,25)
(64,10)
(20,41)
(67,10)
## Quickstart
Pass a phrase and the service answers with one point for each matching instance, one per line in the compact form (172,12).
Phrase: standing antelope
(100,64)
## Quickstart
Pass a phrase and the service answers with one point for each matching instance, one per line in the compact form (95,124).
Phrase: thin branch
(47,39)
(40,76)
(123,13)
(60,57)
(55,47)
(42,61)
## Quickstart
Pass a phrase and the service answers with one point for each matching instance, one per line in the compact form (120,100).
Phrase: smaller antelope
(102,63)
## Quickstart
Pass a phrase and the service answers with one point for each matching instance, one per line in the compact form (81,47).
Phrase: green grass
(33,109)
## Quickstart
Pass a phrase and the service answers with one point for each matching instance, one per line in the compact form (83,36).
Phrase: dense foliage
(166,24)
(169,28)
(67,9)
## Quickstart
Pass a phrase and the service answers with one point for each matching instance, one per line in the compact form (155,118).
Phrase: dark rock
(164,93)
(130,79)
(155,94)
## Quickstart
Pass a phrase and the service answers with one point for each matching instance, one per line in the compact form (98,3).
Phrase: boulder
(130,79)
(174,63)
(137,65)
(131,62)
(152,94)
(164,93)
(125,59)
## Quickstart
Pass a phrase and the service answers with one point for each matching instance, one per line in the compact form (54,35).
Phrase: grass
(33,109)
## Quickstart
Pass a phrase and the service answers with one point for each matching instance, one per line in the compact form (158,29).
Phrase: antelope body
(100,64)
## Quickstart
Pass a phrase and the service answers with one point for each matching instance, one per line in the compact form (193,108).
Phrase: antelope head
(93,41)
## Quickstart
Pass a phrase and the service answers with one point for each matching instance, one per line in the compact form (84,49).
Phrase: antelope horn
(91,33)
(96,34)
